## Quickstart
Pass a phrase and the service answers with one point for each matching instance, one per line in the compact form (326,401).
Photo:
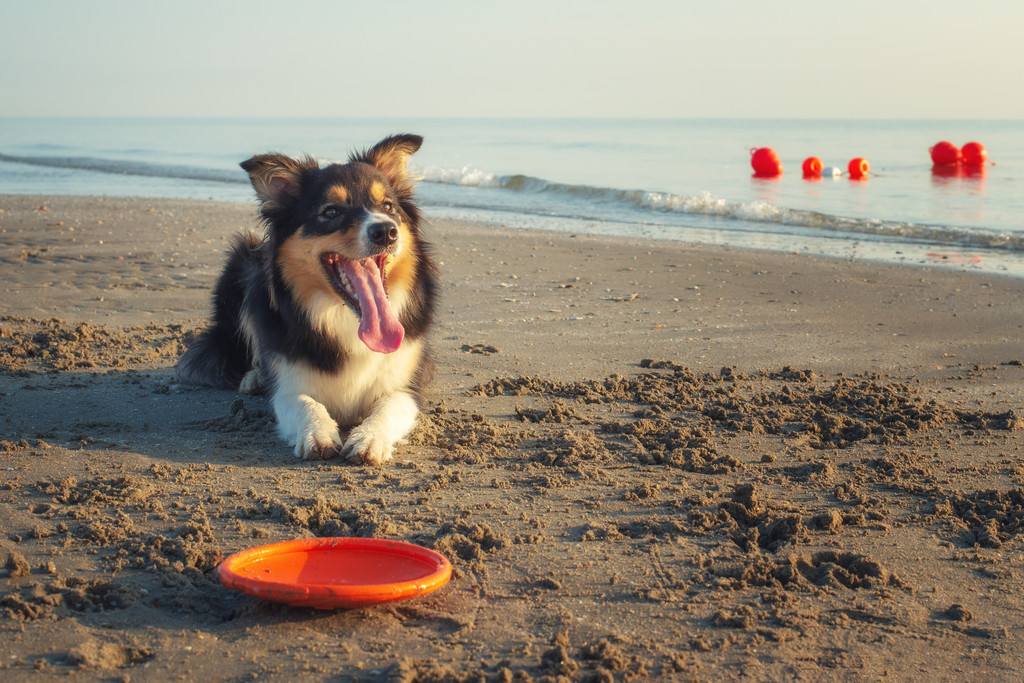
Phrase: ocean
(687,180)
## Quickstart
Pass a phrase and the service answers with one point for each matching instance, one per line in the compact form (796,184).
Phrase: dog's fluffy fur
(328,311)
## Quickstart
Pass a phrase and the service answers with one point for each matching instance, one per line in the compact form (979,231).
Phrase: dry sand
(645,460)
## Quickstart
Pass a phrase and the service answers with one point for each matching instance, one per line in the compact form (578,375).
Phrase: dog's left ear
(390,156)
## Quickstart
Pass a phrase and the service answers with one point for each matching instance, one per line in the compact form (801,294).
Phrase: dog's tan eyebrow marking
(378,192)
(337,194)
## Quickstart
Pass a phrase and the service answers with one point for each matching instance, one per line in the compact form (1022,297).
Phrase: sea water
(685,179)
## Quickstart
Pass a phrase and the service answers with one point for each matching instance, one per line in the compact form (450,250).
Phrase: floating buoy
(858,168)
(812,167)
(974,154)
(945,153)
(831,172)
(766,162)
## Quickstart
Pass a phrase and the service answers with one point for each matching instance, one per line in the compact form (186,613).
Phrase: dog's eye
(388,207)
(330,212)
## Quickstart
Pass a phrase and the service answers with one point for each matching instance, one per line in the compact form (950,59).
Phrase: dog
(329,310)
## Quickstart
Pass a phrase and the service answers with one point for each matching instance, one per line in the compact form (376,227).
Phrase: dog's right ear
(276,178)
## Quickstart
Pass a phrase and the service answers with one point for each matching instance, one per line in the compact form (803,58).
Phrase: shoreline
(865,248)
(645,459)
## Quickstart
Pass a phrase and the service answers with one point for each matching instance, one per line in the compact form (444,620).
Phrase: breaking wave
(531,195)
(580,197)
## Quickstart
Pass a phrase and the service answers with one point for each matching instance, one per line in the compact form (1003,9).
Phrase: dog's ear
(390,156)
(276,178)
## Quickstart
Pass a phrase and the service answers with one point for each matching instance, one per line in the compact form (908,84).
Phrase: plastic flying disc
(327,573)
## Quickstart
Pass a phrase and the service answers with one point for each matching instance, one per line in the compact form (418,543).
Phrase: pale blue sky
(416,58)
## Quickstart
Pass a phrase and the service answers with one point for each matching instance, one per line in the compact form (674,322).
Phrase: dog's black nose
(383,234)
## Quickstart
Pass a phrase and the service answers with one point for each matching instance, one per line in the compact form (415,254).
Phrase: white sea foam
(641,206)
(466,176)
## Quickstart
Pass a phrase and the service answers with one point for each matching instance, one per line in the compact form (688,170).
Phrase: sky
(525,58)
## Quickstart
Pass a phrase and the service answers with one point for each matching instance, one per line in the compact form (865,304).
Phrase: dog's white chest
(350,393)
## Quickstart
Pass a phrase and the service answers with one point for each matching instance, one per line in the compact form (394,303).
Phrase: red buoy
(974,154)
(945,153)
(766,162)
(812,167)
(858,168)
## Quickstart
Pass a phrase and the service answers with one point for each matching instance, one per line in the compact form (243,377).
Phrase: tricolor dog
(329,309)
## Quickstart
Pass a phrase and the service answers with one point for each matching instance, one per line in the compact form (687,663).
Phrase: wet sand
(645,460)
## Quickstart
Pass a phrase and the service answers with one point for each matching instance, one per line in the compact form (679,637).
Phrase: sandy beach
(645,460)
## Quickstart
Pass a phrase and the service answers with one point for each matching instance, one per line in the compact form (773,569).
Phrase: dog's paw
(250,384)
(321,440)
(368,447)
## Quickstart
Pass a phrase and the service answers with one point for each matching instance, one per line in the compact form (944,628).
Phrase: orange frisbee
(328,573)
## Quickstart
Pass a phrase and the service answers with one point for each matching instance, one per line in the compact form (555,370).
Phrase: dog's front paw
(368,446)
(320,440)
(319,445)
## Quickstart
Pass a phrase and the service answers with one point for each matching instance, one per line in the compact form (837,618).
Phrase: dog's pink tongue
(378,327)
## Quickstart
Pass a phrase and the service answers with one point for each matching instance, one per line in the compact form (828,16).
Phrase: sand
(645,460)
